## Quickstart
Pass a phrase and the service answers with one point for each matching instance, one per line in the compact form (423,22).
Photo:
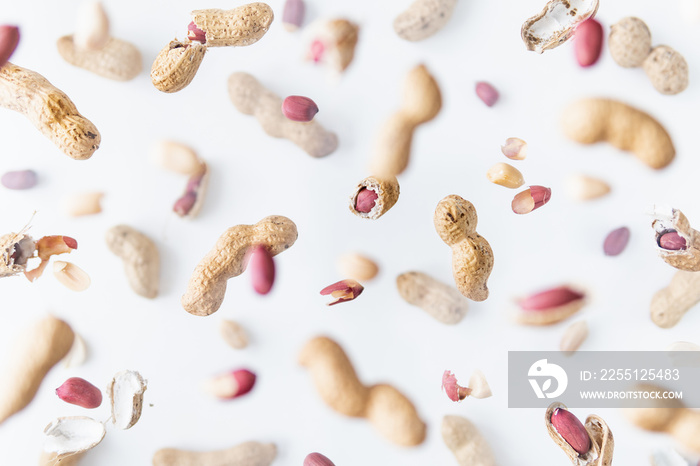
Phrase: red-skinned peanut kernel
(588,42)
(571,430)
(262,270)
(365,200)
(80,392)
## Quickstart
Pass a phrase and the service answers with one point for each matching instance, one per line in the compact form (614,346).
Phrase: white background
(254,176)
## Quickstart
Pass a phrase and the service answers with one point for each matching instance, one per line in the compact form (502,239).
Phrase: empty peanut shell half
(556,23)
(67,436)
(677,243)
(374,196)
(125,393)
(443,302)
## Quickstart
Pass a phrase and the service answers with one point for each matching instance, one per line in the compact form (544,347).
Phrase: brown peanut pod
(602,443)
(49,110)
(118,60)
(34,353)
(466,442)
(140,256)
(667,70)
(207,286)
(252,98)
(455,221)
(677,243)
(241,26)
(176,65)
(386,190)
(669,305)
(243,454)
(336,381)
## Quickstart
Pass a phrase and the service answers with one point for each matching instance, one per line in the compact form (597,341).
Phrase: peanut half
(207,286)
(49,110)
(678,244)
(374,196)
(70,436)
(455,221)
(333,43)
(589,121)
(422,102)
(71,276)
(550,306)
(247,453)
(466,442)
(591,444)
(34,353)
(125,393)
(585,188)
(556,23)
(251,98)
(387,409)
(505,175)
(357,267)
(442,302)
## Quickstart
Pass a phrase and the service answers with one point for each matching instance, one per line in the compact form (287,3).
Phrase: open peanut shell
(670,220)
(68,436)
(556,23)
(126,398)
(387,190)
(602,442)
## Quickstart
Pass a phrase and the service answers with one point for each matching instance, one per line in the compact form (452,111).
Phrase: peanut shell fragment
(385,193)
(556,23)
(125,393)
(68,436)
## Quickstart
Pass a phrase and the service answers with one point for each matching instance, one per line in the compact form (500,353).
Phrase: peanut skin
(389,411)
(589,121)
(34,353)
(49,110)
(140,256)
(251,98)
(207,286)
(244,454)
(472,258)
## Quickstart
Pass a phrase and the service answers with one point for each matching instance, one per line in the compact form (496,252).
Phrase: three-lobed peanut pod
(49,110)
(455,221)
(207,286)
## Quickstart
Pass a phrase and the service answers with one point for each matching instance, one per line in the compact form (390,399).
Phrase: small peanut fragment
(71,276)
(616,241)
(487,93)
(230,385)
(207,286)
(455,221)
(91,26)
(505,175)
(585,188)
(21,179)
(574,336)
(299,108)
(357,267)
(453,390)
(333,43)
(9,38)
(317,459)
(77,205)
(588,42)
(196,34)
(80,392)
(293,14)
(262,270)
(233,334)
(571,430)
(342,291)
(550,306)
(479,386)
(532,198)
(125,393)
(515,149)
(374,196)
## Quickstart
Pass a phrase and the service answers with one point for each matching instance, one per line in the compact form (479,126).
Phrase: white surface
(254,176)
